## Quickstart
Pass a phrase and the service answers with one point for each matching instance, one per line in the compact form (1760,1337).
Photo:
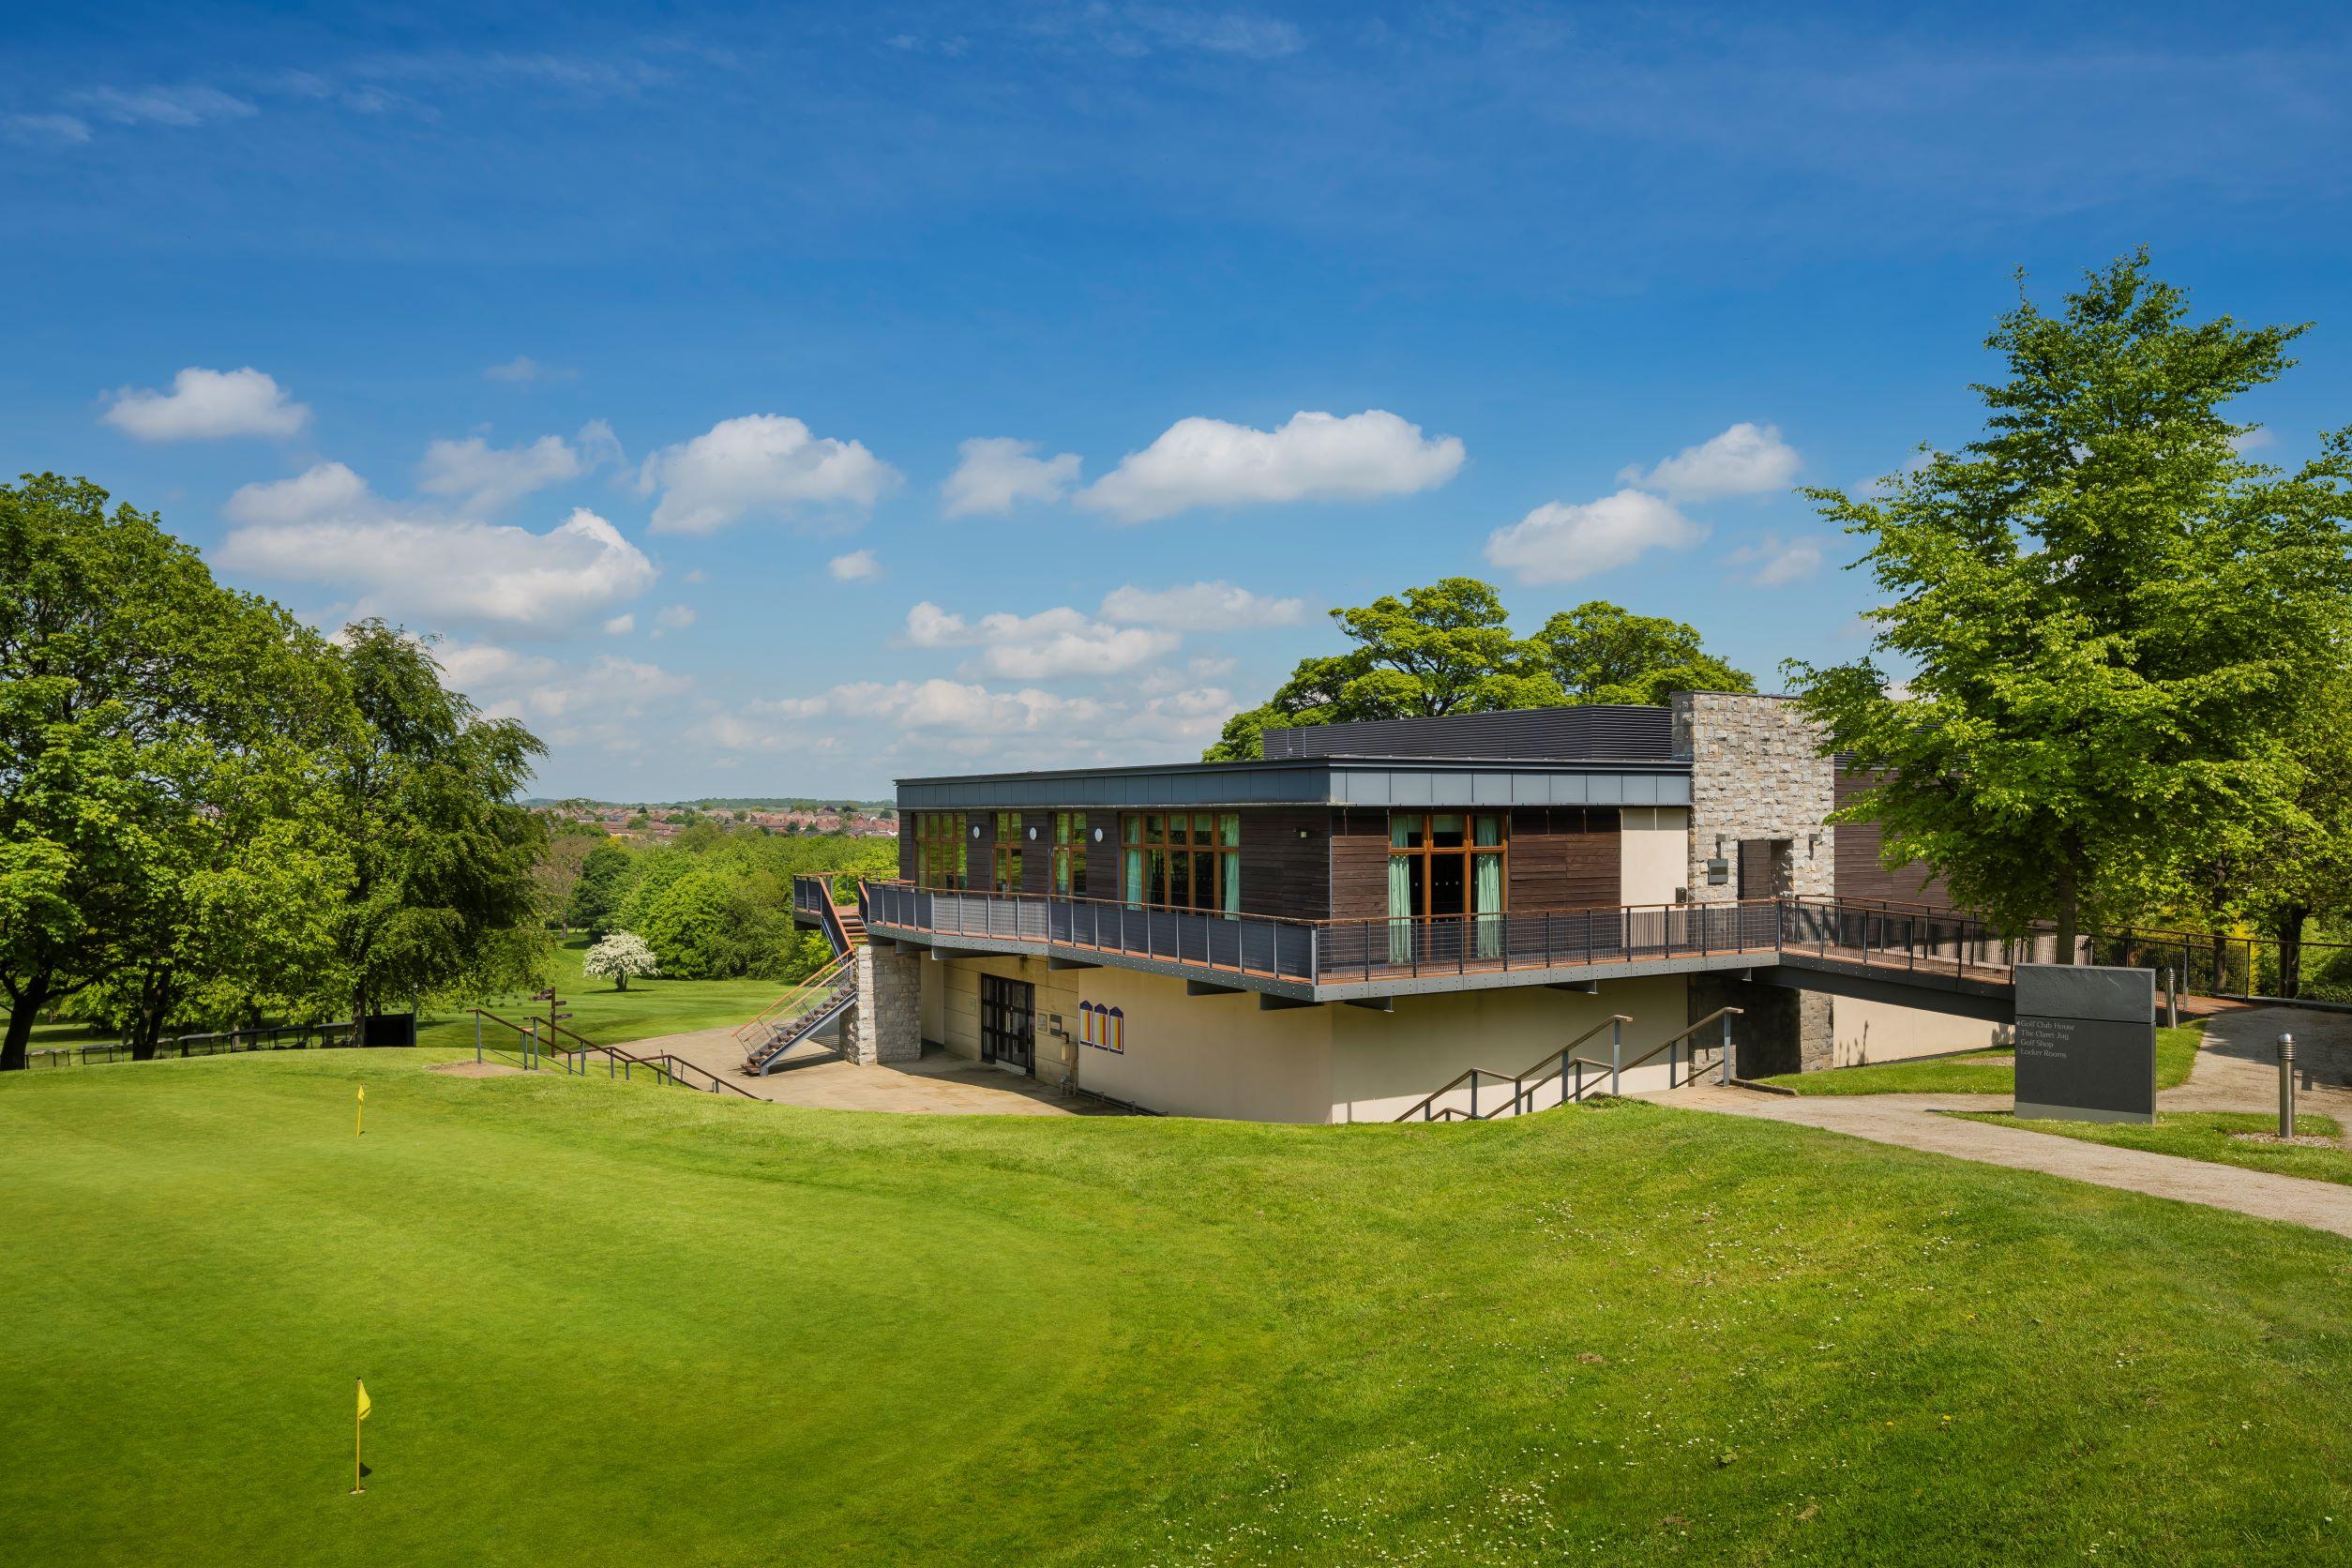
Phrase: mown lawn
(1977,1072)
(615,1323)
(2205,1134)
(609,1017)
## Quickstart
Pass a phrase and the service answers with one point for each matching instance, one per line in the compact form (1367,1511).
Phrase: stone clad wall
(889,1018)
(1754,773)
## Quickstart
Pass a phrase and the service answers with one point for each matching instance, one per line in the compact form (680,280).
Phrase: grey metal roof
(1328,781)
(1594,732)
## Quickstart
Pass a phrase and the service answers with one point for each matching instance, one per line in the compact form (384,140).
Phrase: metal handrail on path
(1521,1097)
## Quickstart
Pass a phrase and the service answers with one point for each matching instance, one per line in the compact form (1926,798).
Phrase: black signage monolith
(2085,1043)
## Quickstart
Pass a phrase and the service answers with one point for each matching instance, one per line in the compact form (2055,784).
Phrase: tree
(154,727)
(623,958)
(1601,652)
(2109,617)
(2301,868)
(555,875)
(690,925)
(440,851)
(1443,649)
(604,877)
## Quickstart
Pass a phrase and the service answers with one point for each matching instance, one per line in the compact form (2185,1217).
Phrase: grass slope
(2205,1134)
(605,1323)
(614,1017)
(1976,1073)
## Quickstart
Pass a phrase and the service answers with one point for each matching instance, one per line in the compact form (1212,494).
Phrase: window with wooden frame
(1069,854)
(1005,863)
(939,849)
(1448,863)
(1187,860)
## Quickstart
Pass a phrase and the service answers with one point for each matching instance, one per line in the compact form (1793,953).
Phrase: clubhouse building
(1341,931)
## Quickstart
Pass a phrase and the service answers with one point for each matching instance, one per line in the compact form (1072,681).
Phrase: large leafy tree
(154,727)
(440,851)
(1602,652)
(2107,617)
(1448,648)
(1445,649)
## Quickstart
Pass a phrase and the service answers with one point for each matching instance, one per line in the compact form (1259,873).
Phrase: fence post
(1617,1042)
(2172,1000)
(477,1037)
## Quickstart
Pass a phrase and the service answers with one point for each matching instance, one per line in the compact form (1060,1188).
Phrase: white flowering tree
(621,956)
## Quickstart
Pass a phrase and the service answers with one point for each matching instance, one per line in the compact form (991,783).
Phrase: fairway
(612,1324)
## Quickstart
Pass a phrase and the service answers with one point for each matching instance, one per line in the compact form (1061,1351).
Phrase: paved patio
(940,1084)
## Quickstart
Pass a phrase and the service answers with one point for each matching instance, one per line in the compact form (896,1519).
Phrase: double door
(1008,1022)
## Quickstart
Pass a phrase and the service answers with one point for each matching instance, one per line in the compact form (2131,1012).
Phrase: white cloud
(163,106)
(856,567)
(620,626)
(58,130)
(322,489)
(1201,607)
(1745,459)
(2253,438)
(1314,457)
(325,527)
(1562,543)
(601,701)
(997,472)
(480,477)
(675,617)
(762,464)
(1771,562)
(523,370)
(599,445)
(206,405)
(938,705)
(1048,645)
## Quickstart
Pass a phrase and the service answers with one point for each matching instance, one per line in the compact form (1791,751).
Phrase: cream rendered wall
(932,1007)
(1385,1063)
(1653,852)
(1868,1031)
(959,1015)
(1218,1056)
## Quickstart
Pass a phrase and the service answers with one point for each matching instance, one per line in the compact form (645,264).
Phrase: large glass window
(1069,854)
(1446,863)
(939,849)
(1189,860)
(1006,862)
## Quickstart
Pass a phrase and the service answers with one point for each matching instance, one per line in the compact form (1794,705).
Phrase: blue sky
(635,352)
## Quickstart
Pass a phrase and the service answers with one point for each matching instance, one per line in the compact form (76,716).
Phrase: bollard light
(2287,1086)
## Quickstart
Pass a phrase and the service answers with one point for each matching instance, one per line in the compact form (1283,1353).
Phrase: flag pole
(356,1470)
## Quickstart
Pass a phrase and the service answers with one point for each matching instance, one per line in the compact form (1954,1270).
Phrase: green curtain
(1486,888)
(1135,878)
(1400,892)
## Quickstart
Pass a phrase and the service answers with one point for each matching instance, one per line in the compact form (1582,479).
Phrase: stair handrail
(784,1036)
(1724,1014)
(666,1062)
(1471,1076)
(829,976)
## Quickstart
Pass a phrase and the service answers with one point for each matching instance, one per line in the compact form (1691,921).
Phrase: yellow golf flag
(360,1117)
(365,1406)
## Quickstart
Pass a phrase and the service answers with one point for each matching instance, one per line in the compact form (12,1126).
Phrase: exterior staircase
(822,999)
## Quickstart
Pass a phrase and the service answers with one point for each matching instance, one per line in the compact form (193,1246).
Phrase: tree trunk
(24,1010)
(2290,931)
(2069,916)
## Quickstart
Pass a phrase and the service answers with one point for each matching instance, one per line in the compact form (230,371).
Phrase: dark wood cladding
(1036,852)
(1858,873)
(1359,865)
(1565,857)
(906,846)
(1286,863)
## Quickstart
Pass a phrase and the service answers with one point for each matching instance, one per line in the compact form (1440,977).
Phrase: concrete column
(888,1026)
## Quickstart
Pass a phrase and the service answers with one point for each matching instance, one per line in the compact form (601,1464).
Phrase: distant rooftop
(1594,732)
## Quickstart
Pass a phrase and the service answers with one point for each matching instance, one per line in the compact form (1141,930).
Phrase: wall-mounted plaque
(2085,1043)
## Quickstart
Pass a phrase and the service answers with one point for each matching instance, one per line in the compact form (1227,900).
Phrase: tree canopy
(2107,618)
(1449,648)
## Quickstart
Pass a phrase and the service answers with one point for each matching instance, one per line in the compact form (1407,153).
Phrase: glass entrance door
(1008,1022)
